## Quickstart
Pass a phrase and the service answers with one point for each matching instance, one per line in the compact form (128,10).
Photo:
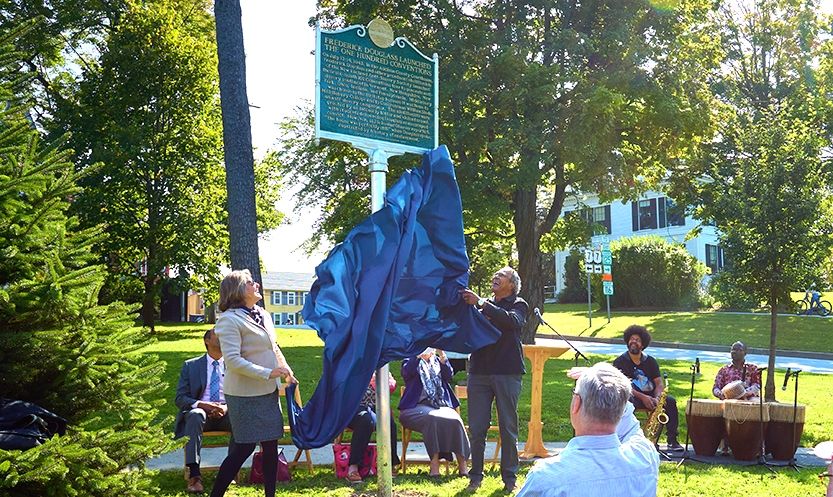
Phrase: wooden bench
(283,441)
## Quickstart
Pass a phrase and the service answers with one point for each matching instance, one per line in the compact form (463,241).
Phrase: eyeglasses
(250,282)
(575,392)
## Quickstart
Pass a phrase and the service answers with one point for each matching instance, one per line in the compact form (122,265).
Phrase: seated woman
(363,425)
(428,406)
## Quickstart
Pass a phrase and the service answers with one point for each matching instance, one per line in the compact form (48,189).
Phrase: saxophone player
(646,381)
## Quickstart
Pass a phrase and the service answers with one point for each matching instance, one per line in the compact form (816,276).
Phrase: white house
(653,214)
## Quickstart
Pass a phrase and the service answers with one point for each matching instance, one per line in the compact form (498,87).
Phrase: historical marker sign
(374,91)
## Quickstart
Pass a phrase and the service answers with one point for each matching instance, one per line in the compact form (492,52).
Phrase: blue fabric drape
(386,293)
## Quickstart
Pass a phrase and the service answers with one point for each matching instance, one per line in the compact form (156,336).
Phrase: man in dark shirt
(496,373)
(646,380)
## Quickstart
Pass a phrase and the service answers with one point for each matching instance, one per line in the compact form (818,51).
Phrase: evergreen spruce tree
(58,348)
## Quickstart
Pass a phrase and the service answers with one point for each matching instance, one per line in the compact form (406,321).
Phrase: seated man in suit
(201,404)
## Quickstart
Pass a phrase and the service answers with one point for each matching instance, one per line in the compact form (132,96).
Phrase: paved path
(811,362)
(323,457)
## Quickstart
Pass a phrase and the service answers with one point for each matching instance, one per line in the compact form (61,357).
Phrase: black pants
(363,425)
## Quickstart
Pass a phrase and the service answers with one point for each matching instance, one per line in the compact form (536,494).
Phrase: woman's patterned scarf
(432,382)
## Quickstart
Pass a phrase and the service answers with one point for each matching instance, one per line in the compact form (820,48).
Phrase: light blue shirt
(623,464)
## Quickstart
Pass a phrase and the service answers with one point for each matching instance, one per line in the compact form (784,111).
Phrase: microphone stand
(686,455)
(762,454)
(793,462)
(578,352)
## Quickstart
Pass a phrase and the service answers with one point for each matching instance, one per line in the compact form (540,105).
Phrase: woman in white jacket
(254,363)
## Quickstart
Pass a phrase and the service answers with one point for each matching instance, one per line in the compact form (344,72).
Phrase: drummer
(738,370)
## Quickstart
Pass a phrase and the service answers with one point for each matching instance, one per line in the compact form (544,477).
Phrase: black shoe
(674,446)
(510,487)
(473,485)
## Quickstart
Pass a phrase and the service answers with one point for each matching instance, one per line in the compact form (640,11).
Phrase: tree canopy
(538,100)
(764,182)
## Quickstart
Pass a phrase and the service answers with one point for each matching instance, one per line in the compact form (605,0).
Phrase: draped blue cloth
(387,292)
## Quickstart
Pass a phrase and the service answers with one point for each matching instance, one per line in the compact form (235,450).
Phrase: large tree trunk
(528,240)
(237,138)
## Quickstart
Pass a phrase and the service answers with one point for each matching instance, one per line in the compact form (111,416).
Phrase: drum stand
(762,454)
(695,370)
(793,462)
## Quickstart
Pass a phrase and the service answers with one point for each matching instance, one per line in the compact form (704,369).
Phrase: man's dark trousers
(505,390)
(197,422)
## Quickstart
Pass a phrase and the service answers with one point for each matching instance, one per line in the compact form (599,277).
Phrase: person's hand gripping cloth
(387,292)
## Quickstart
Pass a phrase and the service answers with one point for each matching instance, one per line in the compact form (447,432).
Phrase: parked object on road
(812,303)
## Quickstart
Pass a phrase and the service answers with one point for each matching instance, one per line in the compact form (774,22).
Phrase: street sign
(607,286)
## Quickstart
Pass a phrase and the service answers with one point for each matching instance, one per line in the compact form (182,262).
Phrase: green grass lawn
(805,333)
(178,342)
(690,480)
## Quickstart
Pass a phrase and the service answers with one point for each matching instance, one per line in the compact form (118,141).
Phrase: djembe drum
(734,390)
(705,425)
(743,428)
(779,433)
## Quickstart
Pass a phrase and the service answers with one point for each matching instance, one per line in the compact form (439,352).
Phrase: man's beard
(634,349)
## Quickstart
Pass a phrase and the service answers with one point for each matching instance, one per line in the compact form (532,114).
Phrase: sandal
(354,477)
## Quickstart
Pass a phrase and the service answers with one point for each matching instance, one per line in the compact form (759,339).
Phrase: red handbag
(256,476)
(341,454)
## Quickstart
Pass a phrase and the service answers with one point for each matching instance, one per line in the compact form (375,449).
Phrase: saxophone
(658,417)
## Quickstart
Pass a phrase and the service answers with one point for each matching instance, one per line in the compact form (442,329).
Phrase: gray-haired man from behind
(609,454)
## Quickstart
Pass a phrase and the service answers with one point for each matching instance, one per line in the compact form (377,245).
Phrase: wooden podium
(538,355)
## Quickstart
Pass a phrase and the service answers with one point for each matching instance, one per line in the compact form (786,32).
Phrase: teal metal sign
(375,92)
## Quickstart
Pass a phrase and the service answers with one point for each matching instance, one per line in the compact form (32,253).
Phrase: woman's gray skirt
(255,419)
(442,429)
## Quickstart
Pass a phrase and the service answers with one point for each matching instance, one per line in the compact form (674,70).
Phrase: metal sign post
(379,94)
(592,264)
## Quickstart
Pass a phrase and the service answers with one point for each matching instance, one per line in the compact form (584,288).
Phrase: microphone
(743,376)
(786,378)
(696,365)
(538,313)
(761,370)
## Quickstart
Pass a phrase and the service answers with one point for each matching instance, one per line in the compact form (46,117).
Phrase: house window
(670,214)
(303,298)
(644,214)
(276,318)
(714,257)
(298,318)
(597,215)
(290,319)
(290,298)
(276,298)
(656,213)
(601,215)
